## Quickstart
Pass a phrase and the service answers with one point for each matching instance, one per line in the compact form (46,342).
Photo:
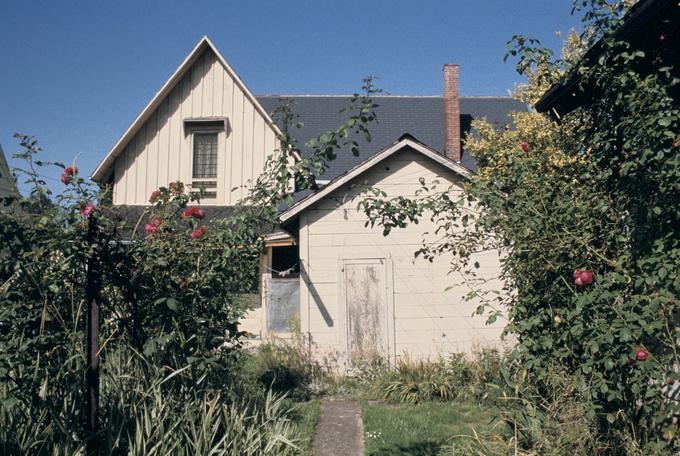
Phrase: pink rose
(641,354)
(154,196)
(583,277)
(151,228)
(198,232)
(195,212)
(87,209)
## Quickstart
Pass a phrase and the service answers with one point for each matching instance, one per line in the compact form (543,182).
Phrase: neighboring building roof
(420,116)
(7,184)
(642,27)
(368,163)
(104,167)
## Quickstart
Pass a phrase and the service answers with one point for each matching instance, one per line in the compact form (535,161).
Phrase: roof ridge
(321,95)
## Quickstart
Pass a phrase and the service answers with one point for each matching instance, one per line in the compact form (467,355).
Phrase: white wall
(428,320)
(161,153)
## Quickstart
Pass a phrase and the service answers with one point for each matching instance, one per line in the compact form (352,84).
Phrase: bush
(456,377)
(413,382)
(287,367)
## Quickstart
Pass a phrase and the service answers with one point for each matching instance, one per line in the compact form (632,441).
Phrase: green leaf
(172,304)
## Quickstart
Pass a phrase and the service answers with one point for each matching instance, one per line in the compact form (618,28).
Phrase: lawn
(306,415)
(420,430)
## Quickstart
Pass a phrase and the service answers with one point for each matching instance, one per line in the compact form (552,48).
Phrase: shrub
(456,377)
(473,374)
(413,382)
(287,367)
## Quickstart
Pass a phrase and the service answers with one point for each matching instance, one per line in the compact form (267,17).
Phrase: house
(7,184)
(352,291)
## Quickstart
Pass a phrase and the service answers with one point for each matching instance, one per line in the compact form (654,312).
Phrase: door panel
(366,309)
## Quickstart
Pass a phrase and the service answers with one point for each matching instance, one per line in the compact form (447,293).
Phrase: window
(205,156)
(285,261)
(204,170)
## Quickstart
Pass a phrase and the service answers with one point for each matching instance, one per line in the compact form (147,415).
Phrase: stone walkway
(340,431)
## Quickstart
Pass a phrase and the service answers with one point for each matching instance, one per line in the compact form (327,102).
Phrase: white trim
(204,43)
(368,164)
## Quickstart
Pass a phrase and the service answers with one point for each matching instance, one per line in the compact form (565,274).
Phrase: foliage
(457,377)
(596,192)
(413,382)
(148,410)
(287,366)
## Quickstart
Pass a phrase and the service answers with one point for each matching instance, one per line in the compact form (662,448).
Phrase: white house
(351,290)
(7,184)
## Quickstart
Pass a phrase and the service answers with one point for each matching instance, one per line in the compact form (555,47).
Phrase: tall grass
(146,410)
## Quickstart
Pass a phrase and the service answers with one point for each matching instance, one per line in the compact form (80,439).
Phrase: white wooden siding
(428,319)
(7,186)
(161,153)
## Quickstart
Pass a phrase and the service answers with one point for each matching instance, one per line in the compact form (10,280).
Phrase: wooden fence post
(93,297)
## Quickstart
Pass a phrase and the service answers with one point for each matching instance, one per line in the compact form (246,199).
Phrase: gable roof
(104,167)
(405,141)
(420,116)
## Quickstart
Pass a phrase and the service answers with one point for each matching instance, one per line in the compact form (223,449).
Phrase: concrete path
(340,431)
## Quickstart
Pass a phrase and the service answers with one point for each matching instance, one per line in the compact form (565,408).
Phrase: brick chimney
(452,111)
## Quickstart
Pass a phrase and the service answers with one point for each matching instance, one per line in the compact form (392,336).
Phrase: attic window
(205,156)
(204,168)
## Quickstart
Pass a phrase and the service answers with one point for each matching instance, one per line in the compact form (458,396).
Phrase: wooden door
(367,318)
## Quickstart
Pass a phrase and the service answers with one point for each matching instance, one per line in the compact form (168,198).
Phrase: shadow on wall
(315,296)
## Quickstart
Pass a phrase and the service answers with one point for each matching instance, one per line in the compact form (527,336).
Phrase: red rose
(154,196)
(641,354)
(583,277)
(71,171)
(524,146)
(151,228)
(65,179)
(198,232)
(87,209)
(195,212)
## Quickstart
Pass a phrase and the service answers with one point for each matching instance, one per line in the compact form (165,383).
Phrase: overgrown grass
(151,409)
(305,415)
(424,429)
(458,377)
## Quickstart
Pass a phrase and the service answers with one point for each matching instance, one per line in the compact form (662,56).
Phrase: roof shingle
(420,116)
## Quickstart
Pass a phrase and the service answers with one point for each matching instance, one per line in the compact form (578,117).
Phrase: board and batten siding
(161,150)
(7,185)
(427,319)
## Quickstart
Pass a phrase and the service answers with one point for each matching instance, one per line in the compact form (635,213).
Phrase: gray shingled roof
(421,117)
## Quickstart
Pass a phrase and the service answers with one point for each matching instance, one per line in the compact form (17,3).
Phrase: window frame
(212,182)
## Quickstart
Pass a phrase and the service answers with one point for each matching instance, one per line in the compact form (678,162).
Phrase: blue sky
(76,73)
